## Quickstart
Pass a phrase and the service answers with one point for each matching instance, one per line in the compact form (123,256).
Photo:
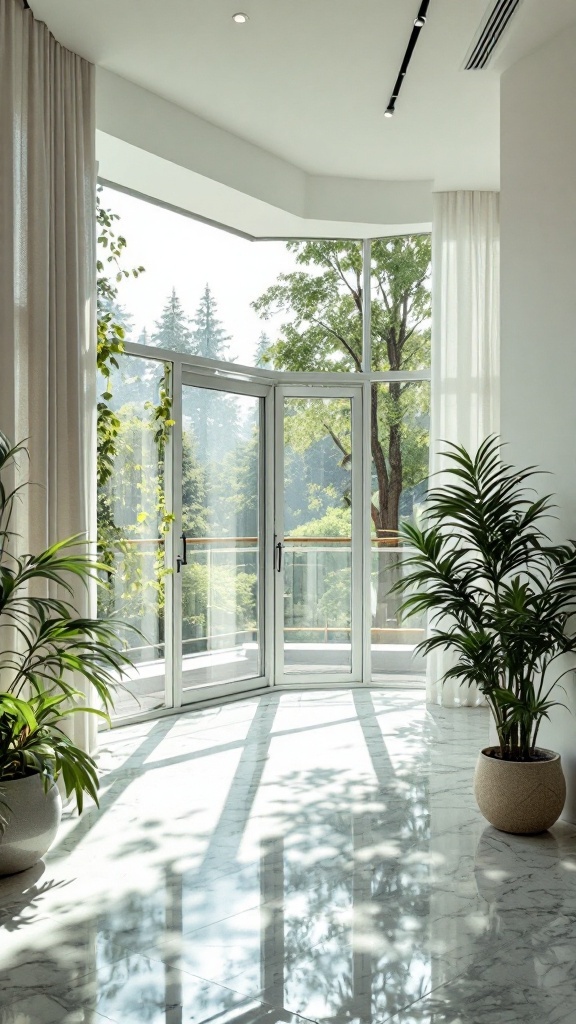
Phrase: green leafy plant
(110,332)
(45,647)
(32,741)
(116,551)
(501,596)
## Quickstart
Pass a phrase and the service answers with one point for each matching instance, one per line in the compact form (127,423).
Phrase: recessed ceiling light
(240,18)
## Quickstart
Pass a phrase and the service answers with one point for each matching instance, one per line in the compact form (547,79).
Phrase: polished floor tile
(312,856)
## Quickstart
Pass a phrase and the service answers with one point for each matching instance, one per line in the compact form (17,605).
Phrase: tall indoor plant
(502,598)
(45,649)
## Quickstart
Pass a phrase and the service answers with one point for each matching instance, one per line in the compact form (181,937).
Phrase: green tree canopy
(322,305)
(401,302)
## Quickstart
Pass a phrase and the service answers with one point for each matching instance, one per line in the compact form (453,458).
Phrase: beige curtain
(465,351)
(47,302)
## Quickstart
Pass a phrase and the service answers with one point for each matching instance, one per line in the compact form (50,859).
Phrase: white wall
(538,211)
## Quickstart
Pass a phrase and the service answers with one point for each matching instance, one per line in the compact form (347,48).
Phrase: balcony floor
(306,856)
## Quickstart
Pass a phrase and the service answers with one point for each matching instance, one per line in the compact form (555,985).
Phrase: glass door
(318,530)
(221,646)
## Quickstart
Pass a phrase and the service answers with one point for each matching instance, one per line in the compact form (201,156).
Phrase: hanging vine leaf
(110,344)
(110,333)
(162,420)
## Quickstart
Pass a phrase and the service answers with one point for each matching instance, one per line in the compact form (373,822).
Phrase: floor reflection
(304,857)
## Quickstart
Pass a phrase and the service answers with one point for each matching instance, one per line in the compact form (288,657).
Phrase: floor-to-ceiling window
(270,432)
(399,430)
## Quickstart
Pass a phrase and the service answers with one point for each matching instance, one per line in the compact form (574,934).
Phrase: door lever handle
(182,559)
(279,557)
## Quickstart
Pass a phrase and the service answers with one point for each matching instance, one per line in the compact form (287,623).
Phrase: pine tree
(209,339)
(144,337)
(172,331)
(262,356)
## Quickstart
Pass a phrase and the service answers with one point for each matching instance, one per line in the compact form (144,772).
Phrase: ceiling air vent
(490,33)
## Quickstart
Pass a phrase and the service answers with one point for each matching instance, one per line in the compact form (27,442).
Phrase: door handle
(279,547)
(182,559)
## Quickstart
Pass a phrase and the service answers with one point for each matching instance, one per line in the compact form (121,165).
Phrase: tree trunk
(385,515)
(385,510)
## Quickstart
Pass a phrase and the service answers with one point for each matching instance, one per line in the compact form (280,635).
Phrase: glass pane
(221,629)
(131,523)
(400,444)
(317,535)
(401,303)
(207,292)
(317,308)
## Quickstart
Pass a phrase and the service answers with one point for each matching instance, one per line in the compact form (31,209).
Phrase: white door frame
(327,391)
(228,385)
(272,386)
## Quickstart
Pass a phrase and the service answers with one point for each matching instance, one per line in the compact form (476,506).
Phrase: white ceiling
(309,80)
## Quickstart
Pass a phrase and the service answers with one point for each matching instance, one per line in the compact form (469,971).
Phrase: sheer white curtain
(47,315)
(465,350)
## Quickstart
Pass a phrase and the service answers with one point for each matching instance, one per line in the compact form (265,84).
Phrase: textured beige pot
(523,797)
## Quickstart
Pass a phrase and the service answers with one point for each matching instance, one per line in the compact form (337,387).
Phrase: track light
(419,23)
(420,19)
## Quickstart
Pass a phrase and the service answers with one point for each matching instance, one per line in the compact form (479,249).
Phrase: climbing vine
(162,420)
(110,332)
(115,550)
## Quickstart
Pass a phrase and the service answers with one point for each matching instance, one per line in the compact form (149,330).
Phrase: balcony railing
(311,565)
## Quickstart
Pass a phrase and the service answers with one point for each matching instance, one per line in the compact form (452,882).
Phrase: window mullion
(366,305)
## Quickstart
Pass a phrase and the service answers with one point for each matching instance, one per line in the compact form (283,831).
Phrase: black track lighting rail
(419,23)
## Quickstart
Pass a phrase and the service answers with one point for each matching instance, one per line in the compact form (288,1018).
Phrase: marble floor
(293,858)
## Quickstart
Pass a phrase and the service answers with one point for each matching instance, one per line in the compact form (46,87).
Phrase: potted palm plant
(502,598)
(45,649)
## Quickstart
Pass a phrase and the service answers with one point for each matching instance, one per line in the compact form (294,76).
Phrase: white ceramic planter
(522,797)
(33,821)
